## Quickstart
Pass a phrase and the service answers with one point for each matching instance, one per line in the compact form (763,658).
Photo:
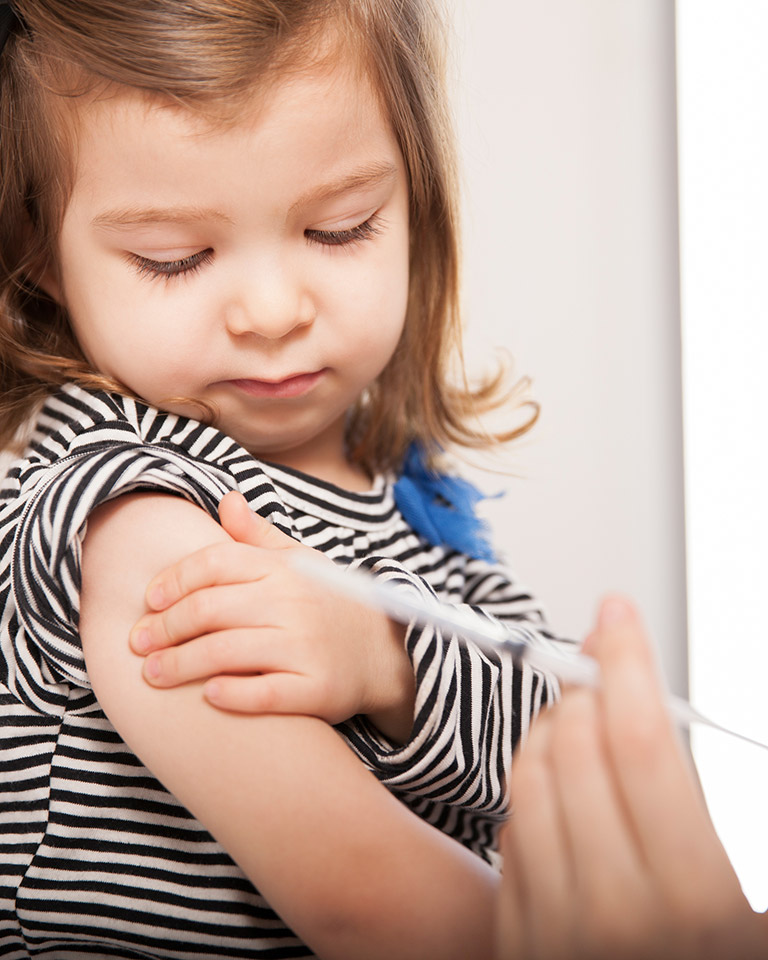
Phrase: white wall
(567,121)
(723,87)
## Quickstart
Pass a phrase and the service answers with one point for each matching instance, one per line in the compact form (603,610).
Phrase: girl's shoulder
(75,420)
(99,435)
(87,447)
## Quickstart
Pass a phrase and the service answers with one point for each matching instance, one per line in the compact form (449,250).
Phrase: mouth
(293,386)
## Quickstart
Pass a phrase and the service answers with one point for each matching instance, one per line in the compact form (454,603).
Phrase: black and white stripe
(96,857)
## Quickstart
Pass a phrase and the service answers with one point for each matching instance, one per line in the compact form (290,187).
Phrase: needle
(406,606)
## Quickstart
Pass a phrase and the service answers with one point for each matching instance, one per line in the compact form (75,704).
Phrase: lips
(294,386)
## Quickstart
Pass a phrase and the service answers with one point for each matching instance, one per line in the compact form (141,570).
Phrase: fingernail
(212,691)
(152,668)
(141,640)
(614,611)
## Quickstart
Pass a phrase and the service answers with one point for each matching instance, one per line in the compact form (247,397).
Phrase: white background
(567,122)
(567,115)
(723,95)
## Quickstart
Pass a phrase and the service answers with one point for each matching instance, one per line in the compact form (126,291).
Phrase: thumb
(245,526)
(615,616)
(620,640)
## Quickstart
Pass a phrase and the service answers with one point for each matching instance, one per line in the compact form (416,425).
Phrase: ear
(48,281)
(42,272)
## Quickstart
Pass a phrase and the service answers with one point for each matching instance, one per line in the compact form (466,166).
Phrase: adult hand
(267,639)
(610,851)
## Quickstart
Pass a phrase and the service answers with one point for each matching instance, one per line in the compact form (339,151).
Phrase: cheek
(373,322)
(391,303)
(95,302)
(376,296)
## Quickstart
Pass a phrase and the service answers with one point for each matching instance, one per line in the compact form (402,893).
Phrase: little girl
(228,263)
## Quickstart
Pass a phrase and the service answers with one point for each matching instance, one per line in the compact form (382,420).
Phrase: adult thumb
(620,640)
(245,526)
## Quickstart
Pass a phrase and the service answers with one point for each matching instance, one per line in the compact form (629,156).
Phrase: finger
(659,791)
(219,563)
(284,693)
(246,526)
(510,914)
(607,866)
(227,651)
(590,642)
(535,847)
(224,607)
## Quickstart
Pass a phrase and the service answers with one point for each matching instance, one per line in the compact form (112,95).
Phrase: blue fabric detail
(441,508)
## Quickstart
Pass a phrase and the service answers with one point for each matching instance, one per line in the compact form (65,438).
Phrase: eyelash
(339,238)
(186,266)
(168,269)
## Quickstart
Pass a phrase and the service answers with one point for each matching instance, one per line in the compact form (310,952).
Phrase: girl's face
(261,266)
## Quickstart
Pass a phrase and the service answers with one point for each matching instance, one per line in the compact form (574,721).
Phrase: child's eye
(337,238)
(171,268)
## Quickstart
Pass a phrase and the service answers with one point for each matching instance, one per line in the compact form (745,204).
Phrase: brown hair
(203,54)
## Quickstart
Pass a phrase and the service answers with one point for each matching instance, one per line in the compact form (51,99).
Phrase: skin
(272,642)
(269,298)
(199,261)
(610,852)
(332,851)
(261,267)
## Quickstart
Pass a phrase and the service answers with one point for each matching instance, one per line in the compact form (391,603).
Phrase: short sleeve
(46,658)
(472,708)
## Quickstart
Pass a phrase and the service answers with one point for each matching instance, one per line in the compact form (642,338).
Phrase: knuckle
(162,630)
(175,586)
(220,651)
(198,570)
(200,607)
(212,565)
(265,695)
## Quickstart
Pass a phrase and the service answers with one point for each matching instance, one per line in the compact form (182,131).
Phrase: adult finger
(227,651)
(660,794)
(510,912)
(607,868)
(535,846)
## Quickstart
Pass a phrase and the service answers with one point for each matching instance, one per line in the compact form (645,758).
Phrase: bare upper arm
(333,852)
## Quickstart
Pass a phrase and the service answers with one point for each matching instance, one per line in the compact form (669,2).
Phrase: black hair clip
(9,19)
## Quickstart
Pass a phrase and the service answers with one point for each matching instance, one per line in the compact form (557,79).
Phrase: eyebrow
(137,216)
(370,175)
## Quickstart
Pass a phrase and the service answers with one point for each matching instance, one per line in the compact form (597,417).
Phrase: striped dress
(97,857)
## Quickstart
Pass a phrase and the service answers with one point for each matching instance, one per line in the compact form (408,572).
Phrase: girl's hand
(267,640)
(610,852)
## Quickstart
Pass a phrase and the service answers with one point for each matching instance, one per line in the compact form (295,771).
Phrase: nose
(269,302)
